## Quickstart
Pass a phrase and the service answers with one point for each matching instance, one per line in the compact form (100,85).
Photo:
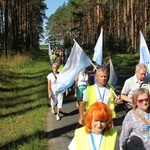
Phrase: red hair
(100,111)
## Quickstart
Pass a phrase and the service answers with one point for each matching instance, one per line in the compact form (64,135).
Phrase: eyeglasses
(142,100)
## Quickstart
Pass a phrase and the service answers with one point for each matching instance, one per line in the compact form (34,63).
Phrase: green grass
(24,102)
(124,63)
(44,46)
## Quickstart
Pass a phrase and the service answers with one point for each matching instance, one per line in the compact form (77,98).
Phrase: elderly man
(133,83)
(101,91)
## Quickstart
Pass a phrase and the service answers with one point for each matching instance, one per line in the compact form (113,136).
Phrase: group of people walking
(96,102)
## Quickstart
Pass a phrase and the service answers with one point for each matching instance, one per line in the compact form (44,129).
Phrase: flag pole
(113,92)
(94,66)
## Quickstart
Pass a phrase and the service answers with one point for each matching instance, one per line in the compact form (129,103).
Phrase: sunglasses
(142,100)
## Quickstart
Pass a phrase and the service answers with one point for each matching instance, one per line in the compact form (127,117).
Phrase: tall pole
(132,25)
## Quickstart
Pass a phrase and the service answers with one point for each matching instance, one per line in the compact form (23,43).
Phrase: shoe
(57,117)
(53,110)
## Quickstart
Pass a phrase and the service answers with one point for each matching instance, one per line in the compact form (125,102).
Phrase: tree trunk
(6,27)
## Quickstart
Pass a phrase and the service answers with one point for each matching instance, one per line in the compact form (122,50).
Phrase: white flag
(49,50)
(77,61)
(144,53)
(113,78)
(98,53)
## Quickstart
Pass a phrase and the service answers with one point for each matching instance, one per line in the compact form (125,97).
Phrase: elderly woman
(55,97)
(98,132)
(135,133)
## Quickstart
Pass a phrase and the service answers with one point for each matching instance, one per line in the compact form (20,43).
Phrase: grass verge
(23,102)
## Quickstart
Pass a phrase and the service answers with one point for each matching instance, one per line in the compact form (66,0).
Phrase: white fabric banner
(98,53)
(113,78)
(77,61)
(144,53)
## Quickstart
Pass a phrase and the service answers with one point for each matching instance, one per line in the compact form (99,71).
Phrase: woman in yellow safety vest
(97,134)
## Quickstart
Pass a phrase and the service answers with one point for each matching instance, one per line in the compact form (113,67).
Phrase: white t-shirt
(83,80)
(52,78)
(102,94)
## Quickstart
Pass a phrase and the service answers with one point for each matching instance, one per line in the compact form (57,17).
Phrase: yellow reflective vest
(60,67)
(82,140)
(92,98)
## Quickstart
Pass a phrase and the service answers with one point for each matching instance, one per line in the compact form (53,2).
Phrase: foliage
(148,36)
(44,47)
(125,63)
(21,24)
(83,19)
(57,25)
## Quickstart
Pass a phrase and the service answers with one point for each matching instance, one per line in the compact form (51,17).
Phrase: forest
(21,24)
(121,20)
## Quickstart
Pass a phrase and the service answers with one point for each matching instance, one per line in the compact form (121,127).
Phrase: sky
(52,6)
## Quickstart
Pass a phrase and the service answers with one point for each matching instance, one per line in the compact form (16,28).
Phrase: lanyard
(93,144)
(101,96)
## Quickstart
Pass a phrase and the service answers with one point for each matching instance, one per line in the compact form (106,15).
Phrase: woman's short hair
(100,111)
(136,94)
(54,65)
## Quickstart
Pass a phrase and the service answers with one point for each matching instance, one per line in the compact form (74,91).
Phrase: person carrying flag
(101,91)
